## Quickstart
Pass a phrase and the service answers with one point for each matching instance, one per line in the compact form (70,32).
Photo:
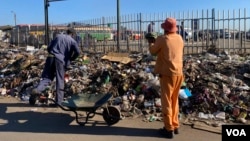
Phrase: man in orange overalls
(169,66)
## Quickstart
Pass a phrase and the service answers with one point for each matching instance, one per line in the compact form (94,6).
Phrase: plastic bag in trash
(184,93)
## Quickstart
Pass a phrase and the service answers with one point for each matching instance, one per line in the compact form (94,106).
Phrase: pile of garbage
(220,86)
(216,86)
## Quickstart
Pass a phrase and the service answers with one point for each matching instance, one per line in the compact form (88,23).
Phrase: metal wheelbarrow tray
(89,103)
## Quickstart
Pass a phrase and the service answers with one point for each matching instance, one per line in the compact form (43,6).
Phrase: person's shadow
(60,122)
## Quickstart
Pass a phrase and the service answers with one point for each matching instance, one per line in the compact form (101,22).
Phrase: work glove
(150,37)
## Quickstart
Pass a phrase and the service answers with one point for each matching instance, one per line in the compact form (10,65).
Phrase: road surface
(21,122)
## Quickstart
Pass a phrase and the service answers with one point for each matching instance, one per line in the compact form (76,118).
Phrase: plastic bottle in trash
(107,79)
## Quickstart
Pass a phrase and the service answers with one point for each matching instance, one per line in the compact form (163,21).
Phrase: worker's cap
(71,31)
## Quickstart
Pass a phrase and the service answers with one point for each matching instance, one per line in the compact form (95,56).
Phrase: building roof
(6,27)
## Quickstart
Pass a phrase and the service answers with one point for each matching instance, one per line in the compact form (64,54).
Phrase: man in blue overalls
(62,50)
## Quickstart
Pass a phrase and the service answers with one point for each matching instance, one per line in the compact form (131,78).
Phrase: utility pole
(46,17)
(16,29)
(46,5)
(14,16)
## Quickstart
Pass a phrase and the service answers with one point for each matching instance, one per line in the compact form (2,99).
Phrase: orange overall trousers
(170,86)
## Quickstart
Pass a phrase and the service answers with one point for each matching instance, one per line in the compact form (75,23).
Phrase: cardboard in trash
(118,57)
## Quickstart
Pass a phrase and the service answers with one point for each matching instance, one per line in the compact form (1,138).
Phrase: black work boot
(176,131)
(166,133)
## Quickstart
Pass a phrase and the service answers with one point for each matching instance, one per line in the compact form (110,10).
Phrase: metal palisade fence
(224,30)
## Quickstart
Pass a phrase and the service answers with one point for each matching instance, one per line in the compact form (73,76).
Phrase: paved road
(21,122)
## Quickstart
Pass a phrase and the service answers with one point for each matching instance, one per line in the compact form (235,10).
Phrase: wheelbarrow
(92,104)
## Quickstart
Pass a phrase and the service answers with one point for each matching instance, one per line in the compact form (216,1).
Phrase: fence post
(104,38)
(127,38)
(207,39)
(241,41)
(213,27)
(18,32)
(105,44)
(118,25)
(140,33)
(94,44)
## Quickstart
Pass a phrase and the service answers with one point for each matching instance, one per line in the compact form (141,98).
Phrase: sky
(32,11)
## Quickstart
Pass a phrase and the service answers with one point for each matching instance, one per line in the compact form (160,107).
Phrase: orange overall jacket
(169,64)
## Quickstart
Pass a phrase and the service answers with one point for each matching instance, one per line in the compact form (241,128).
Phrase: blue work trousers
(53,68)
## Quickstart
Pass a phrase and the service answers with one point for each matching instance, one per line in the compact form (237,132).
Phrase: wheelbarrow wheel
(33,99)
(111,115)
